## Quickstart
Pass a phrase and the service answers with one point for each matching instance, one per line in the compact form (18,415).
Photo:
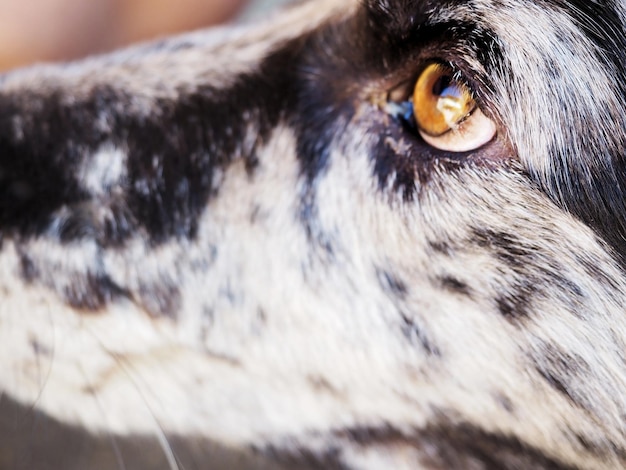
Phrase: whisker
(45,377)
(167,449)
(112,439)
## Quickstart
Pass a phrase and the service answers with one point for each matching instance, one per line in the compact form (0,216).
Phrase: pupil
(446,87)
(442,83)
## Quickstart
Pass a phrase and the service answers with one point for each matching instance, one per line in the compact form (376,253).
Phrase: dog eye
(445,113)
(440,103)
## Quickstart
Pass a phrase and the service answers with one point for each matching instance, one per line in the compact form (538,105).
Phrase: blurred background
(51,30)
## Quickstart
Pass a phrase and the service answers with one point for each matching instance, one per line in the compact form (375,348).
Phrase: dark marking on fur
(393,159)
(160,299)
(83,290)
(206,128)
(207,322)
(322,384)
(259,321)
(602,206)
(205,262)
(505,402)
(78,223)
(391,283)
(322,112)
(457,445)
(596,272)
(172,154)
(322,107)
(308,217)
(91,292)
(600,448)
(586,444)
(40,349)
(35,172)
(454,285)
(602,24)
(28,270)
(224,359)
(513,301)
(531,274)
(563,372)
(516,304)
(556,381)
(573,291)
(441,247)
(506,247)
(256,214)
(415,334)
(405,163)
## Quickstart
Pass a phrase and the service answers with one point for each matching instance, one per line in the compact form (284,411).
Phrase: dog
(359,235)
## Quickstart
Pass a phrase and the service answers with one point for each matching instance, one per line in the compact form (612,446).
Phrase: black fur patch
(172,153)
(404,163)
(172,156)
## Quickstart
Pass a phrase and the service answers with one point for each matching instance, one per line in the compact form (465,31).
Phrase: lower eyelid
(474,132)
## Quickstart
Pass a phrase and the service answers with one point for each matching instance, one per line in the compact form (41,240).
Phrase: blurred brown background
(48,30)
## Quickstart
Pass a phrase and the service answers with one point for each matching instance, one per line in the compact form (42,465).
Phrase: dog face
(378,234)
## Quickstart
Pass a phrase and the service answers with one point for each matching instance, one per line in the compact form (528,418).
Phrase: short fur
(219,251)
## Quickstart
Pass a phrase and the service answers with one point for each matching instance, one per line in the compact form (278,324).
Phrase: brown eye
(446,114)
(440,102)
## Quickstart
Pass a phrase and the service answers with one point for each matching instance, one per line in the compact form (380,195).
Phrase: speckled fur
(218,251)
